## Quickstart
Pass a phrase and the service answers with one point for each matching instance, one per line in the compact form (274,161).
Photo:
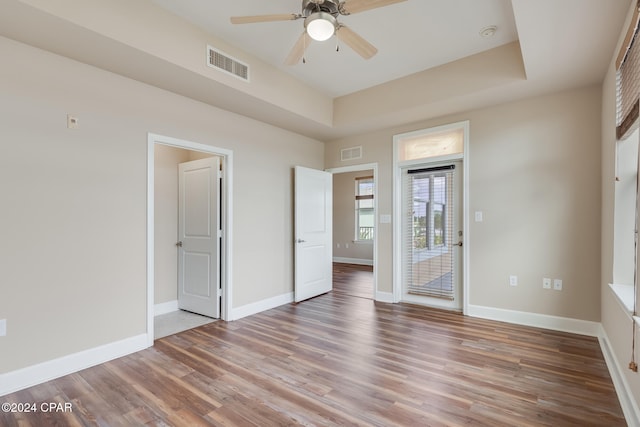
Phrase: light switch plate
(3,327)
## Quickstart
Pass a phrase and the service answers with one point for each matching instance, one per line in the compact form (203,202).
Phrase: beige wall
(534,172)
(166,221)
(344,221)
(617,323)
(73,252)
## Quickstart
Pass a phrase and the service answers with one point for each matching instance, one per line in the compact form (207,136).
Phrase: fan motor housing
(328,6)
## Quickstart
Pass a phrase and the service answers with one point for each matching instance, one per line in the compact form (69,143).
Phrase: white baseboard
(356,261)
(46,371)
(563,324)
(264,305)
(165,308)
(623,390)
(384,296)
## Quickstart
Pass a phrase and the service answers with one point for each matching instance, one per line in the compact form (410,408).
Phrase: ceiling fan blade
(357,6)
(356,42)
(264,18)
(297,52)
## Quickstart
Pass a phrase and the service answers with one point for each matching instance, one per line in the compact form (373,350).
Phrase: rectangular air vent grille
(226,63)
(352,153)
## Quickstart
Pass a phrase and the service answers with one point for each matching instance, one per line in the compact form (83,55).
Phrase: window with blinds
(628,81)
(364,209)
(428,231)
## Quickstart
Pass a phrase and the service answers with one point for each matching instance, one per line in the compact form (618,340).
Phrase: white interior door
(199,236)
(313,233)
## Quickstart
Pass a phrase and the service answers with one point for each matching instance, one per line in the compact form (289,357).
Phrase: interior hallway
(353,280)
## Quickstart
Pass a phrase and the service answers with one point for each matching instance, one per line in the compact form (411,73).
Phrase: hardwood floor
(341,360)
(352,279)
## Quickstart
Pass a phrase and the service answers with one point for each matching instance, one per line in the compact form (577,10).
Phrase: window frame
(430,220)
(358,198)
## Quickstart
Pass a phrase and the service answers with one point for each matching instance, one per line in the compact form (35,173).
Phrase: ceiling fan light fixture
(320,26)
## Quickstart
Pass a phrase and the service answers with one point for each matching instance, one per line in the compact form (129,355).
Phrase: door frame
(226,278)
(365,167)
(397,205)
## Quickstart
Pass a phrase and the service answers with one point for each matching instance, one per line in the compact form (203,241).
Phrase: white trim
(36,374)
(624,294)
(623,390)
(364,167)
(165,308)
(555,323)
(356,261)
(227,222)
(397,206)
(260,306)
(384,296)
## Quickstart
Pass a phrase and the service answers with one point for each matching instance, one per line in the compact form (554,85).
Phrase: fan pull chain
(304,49)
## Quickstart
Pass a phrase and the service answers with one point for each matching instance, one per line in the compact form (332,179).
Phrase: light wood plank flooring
(342,360)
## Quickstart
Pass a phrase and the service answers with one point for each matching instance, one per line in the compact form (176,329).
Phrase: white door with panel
(199,236)
(313,233)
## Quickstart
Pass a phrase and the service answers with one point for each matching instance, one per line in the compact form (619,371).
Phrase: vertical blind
(428,231)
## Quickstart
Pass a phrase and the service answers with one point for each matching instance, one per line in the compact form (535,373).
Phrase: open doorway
(354,230)
(165,246)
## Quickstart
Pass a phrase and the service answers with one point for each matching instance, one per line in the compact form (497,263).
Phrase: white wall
(625,208)
(616,321)
(73,253)
(535,173)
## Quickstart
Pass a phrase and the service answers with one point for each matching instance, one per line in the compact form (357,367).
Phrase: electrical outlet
(346,245)
(3,327)
(513,280)
(546,283)
(557,284)
(338,245)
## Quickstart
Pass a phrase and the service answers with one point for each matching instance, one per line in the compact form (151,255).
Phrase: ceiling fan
(321,22)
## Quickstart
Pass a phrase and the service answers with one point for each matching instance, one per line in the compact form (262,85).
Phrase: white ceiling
(411,36)
(563,44)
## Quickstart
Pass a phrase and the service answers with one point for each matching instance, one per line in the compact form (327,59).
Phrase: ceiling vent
(223,62)
(352,153)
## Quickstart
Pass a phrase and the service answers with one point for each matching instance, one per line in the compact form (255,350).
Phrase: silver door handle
(179,244)
(300,241)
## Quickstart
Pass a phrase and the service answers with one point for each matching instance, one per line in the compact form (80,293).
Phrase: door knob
(300,241)
(179,244)
(459,243)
